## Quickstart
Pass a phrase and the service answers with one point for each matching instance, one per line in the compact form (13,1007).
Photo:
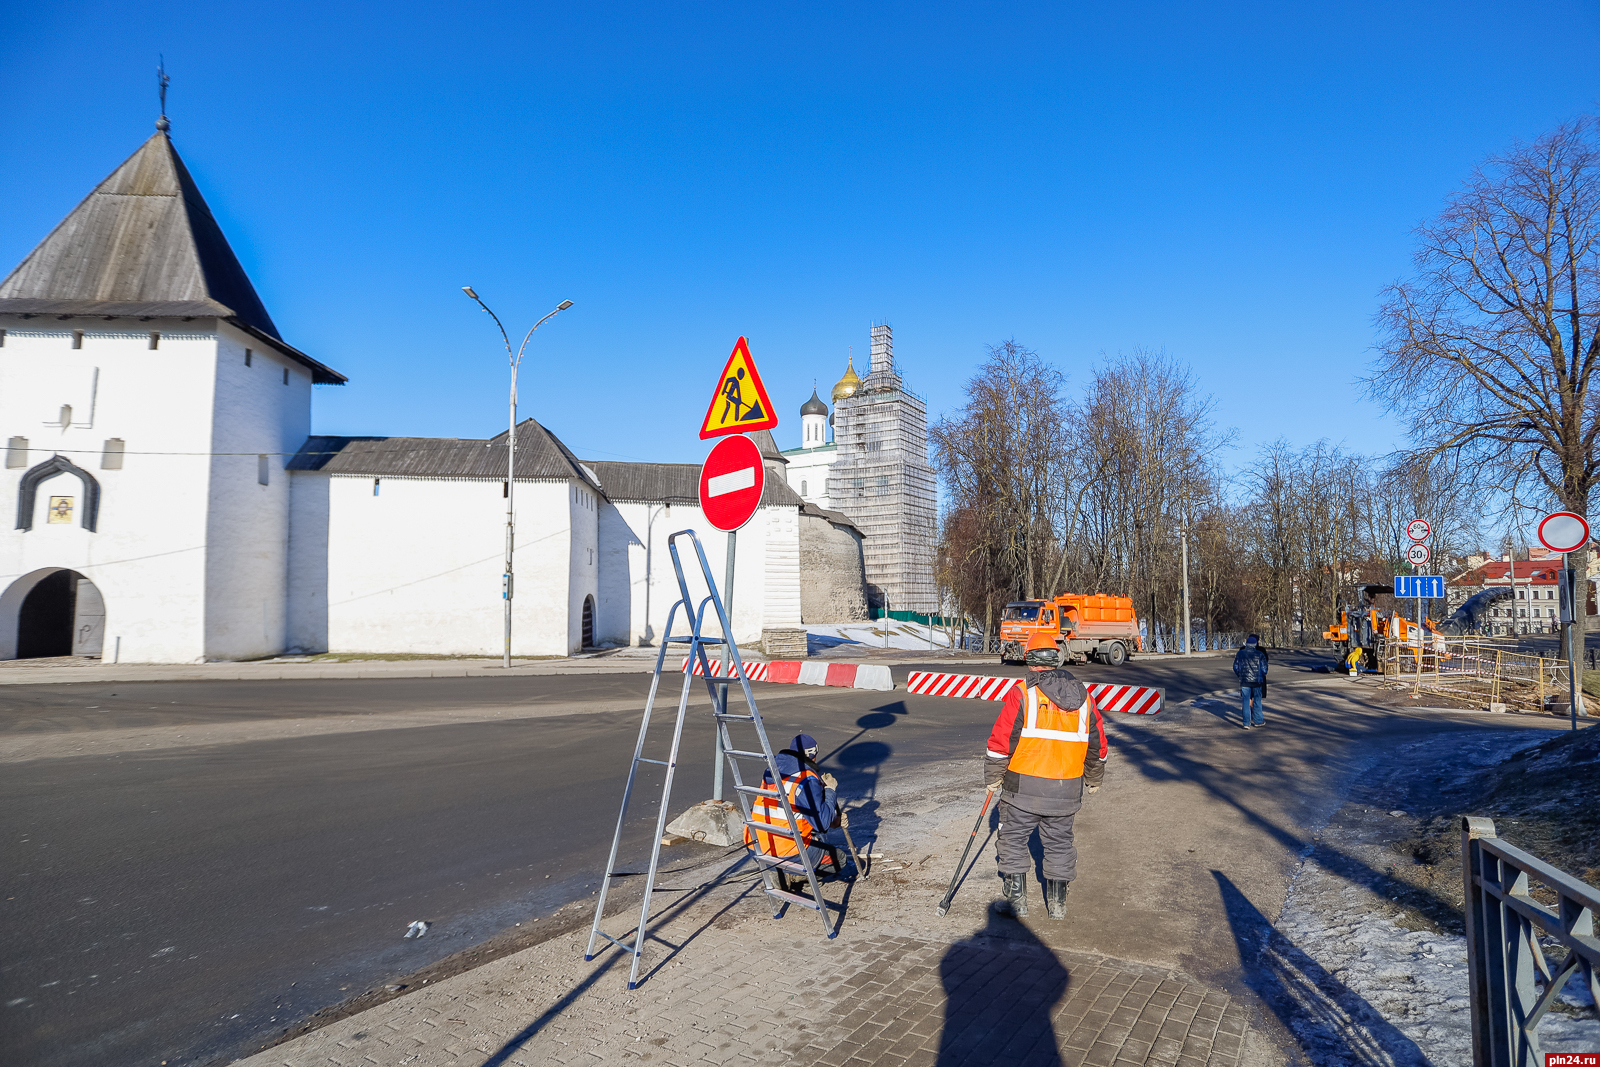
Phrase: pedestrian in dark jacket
(1251,666)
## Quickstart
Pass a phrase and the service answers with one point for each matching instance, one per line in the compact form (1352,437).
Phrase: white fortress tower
(148,407)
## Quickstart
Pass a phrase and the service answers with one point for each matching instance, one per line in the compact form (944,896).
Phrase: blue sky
(1232,183)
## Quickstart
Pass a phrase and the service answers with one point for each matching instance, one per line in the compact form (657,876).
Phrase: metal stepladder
(717,688)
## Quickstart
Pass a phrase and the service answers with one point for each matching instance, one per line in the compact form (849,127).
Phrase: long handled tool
(944,905)
(844,824)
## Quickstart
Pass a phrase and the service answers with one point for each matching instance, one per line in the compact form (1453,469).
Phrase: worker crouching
(813,797)
(1048,748)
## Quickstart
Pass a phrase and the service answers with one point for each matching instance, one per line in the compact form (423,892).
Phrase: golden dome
(849,383)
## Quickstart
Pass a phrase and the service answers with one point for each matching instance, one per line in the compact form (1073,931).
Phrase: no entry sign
(1564,532)
(731,483)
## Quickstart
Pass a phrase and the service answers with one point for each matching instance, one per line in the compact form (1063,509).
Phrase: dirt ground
(1545,799)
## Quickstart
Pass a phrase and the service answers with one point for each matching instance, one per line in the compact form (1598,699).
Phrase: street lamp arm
(565,304)
(503,336)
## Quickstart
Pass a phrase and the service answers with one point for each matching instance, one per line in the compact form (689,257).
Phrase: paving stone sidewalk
(727,983)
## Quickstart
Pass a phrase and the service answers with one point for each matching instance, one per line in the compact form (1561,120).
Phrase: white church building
(172,505)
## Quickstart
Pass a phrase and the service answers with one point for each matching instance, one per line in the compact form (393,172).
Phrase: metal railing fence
(1506,964)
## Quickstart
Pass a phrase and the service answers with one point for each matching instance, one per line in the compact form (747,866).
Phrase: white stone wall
(780,606)
(148,557)
(416,567)
(262,408)
(807,473)
(584,566)
(633,548)
(834,589)
(306,619)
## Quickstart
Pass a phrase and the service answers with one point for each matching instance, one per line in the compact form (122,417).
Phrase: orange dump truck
(1085,626)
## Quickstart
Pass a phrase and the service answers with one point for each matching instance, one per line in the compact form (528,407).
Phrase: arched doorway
(51,612)
(588,622)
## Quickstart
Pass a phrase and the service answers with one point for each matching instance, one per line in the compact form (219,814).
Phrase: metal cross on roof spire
(162,81)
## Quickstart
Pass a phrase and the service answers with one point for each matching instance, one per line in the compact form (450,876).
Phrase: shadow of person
(1331,1022)
(1001,986)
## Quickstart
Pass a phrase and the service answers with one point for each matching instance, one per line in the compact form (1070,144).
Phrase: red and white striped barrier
(1128,699)
(757,672)
(967,686)
(811,672)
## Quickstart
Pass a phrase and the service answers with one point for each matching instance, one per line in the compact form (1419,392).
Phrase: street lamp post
(507,585)
(1188,633)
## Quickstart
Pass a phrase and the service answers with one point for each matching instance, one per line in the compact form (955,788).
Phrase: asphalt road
(176,902)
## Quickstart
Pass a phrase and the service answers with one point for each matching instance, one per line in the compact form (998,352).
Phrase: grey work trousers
(1055,834)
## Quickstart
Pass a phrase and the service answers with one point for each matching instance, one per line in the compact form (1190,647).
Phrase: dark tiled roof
(838,518)
(673,483)
(767,446)
(144,243)
(540,455)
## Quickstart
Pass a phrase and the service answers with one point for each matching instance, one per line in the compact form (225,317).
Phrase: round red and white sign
(731,482)
(1417,555)
(1418,529)
(1563,532)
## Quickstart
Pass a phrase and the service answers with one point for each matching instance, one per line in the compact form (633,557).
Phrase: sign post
(1417,555)
(1565,533)
(732,480)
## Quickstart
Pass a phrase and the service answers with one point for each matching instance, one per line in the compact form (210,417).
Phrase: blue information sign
(1428,586)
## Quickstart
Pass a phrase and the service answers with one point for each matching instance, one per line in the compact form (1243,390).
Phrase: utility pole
(507,582)
(1188,633)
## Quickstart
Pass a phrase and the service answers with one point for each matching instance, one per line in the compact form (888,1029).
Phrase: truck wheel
(1117,655)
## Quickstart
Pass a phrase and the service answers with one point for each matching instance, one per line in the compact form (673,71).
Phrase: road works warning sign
(740,403)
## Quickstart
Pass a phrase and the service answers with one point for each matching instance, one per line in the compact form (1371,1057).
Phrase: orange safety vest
(769,811)
(1054,742)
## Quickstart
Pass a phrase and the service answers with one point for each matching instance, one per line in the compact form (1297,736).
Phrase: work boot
(1055,897)
(1015,887)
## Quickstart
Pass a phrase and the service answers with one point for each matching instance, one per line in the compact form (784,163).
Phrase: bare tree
(999,456)
(1491,350)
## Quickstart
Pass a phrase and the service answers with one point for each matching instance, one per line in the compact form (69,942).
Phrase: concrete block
(783,643)
(874,676)
(711,822)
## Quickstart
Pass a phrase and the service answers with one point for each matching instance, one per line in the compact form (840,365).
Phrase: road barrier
(812,672)
(1128,699)
(1505,958)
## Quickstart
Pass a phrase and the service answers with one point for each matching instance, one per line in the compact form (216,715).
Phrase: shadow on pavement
(1322,725)
(999,1005)
(1331,1023)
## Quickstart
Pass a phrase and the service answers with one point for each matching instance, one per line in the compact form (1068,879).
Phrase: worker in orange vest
(814,798)
(1048,748)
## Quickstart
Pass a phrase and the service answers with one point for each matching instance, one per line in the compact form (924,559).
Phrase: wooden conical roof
(145,244)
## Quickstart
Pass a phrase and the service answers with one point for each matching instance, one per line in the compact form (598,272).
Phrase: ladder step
(744,755)
(768,828)
(796,898)
(734,718)
(614,941)
(756,790)
(792,865)
(657,762)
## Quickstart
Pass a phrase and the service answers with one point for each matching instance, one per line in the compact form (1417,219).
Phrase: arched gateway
(51,612)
